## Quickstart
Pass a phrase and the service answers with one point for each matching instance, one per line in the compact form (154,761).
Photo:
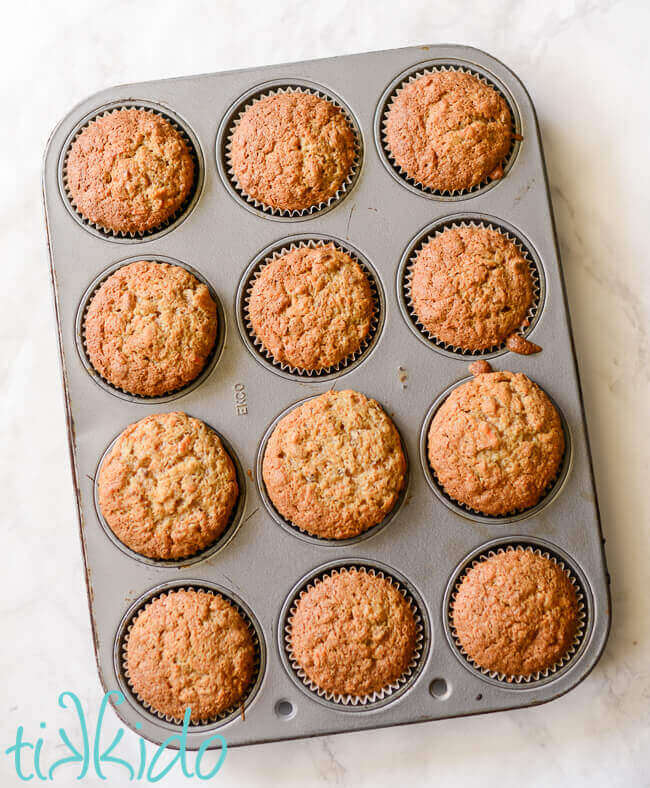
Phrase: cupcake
(310,308)
(496,443)
(150,328)
(352,633)
(448,131)
(515,613)
(471,287)
(167,487)
(292,151)
(334,466)
(190,649)
(129,171)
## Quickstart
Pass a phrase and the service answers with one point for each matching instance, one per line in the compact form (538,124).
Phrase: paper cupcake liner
(350,359)
(550,491)
(224,538)
(447,193)
(580,630)
(531,315)
(171,220)
(268,210)
(112,388)
(362,702)
(234,710)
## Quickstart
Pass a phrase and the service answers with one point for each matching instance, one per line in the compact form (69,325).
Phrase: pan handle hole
(440,689)
(285,710)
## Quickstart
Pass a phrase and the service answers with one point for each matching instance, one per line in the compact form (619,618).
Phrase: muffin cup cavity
(293,529)
(233,525)
(545,551)
(122,638)
(256,347)
(405,273)
(232,119)
(355,702)
(172,221)
(552,490)
(80,333)
(432,67)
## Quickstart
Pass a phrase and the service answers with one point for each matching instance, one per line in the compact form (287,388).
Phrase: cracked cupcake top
(190,648)
(311,308)
(129,171)
(471,287)
(167,488)
(291,151)
(496,443)
(353,633)
(150,328)
(449,131)
(516,613)
(334,466)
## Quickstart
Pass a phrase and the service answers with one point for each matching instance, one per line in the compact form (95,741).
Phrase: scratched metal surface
(425,541)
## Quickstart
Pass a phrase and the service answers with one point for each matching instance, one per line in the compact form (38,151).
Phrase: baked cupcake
(353,634)
(449,131)
(292,151)
(471,287)
(311,307)
(150,328)
(190,649)
(167,487)
(334,466)
(496,443)
(515,613)
(129,171)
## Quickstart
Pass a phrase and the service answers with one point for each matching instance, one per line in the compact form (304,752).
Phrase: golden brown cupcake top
(190,648)
(311,308)
(471,287)
(334,466)
(496,443)
(353,633)
(449,131)
(129,171)
(167,488)
(291,151)
(516,613)
(150,328)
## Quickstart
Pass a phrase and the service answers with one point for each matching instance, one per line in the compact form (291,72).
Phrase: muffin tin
(428,541)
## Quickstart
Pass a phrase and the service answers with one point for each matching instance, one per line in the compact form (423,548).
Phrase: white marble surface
(586,65)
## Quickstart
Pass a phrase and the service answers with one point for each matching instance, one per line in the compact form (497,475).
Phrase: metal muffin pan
(426,541)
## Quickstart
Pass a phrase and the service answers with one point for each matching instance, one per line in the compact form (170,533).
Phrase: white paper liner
(403,174)
(580,628)
(459,351)
(299,371)
(144,397)
(239,707)
(107,231)
(363,701)
(312,209)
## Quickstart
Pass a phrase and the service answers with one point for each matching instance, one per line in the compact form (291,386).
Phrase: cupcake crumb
(518,344)
(480,367)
